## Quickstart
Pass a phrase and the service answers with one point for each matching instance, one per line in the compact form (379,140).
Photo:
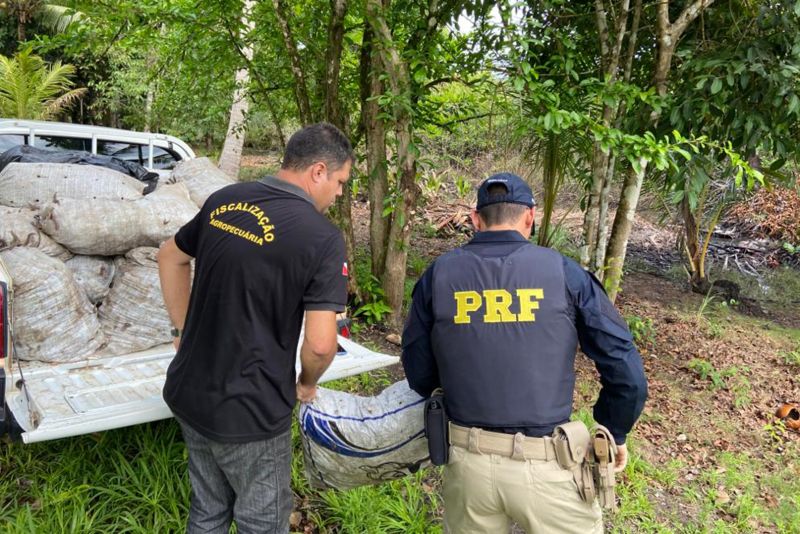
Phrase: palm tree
(32,89)
(53,16)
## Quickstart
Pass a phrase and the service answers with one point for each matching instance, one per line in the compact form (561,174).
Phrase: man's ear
(476,220)
(530,217)
(319,171)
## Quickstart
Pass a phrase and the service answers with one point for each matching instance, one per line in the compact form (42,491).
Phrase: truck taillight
(343,326)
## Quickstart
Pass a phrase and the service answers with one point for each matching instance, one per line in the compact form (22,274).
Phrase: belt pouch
(436,429)
(571,444)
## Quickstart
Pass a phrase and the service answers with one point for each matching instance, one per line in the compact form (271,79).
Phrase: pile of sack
(80,243)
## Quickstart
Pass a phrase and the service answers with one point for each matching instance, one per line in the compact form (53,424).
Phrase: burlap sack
(53,319)
(35,184)
(17,230)
(133,315)
(93,274)
(111,227)
(201,178)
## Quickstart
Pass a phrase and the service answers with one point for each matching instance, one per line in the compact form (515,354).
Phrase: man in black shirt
(496,324)
(264,256)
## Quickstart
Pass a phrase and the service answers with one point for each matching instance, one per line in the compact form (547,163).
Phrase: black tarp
(29,154)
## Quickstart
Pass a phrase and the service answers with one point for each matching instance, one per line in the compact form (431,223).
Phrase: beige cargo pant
(484,492)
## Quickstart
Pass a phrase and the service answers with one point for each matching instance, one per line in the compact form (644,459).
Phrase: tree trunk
(343,210)
(300,87)
(667,36)
(148,109)
(692,247)
(591,217)
(276,121)
(230,160)
(552,178)
(602,227)
(333,57)
(400,228)
(375,136)
(621,231)
(595,223)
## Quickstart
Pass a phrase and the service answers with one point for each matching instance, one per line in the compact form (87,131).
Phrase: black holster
(436,428)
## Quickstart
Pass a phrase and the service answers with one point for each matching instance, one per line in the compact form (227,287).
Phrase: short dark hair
(317,142)
(500,212)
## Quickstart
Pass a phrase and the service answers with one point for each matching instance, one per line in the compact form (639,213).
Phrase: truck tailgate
(70,399)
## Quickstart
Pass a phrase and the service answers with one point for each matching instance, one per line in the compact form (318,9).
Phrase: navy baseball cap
(517,191)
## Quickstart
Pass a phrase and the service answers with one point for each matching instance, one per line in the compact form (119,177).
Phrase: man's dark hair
(318,142)
(500,212)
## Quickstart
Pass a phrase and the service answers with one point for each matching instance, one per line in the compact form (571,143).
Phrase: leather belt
(515,446)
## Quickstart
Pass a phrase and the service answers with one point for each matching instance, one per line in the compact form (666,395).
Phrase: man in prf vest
(496,324)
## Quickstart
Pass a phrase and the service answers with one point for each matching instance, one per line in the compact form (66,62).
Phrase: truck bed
(70,399)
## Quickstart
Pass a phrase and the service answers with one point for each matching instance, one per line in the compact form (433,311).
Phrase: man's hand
(306,393)
(621,459)
(316,352)
(176,342)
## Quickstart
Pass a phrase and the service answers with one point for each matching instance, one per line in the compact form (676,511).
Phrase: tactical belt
(515,446)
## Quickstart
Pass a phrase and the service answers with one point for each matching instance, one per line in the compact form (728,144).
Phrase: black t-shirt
(263,256)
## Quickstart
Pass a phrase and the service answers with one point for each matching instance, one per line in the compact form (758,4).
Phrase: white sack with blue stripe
(351,441)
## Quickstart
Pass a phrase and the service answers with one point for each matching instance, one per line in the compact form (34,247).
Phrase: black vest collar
(498,236)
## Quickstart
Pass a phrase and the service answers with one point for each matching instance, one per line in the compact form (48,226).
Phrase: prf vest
(504,338)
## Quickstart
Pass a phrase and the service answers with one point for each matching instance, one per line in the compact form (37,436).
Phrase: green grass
(129,480)
(401,506)
(135,480)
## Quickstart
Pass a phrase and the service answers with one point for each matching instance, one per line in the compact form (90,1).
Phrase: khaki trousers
(484,492)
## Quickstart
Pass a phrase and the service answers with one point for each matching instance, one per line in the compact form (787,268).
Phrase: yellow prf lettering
(527,303)
(498,306)
(466,302)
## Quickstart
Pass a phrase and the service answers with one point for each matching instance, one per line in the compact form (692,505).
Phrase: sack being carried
(351,441)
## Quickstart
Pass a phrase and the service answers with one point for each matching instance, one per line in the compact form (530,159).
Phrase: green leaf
(777,164)
(686,155)
(716,86)
(794,104)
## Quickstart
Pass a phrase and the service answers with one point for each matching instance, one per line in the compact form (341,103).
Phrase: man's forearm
(319,346)
(313,364)
(176,287)
(174,271)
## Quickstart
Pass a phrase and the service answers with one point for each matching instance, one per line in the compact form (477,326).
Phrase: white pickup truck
(44,401)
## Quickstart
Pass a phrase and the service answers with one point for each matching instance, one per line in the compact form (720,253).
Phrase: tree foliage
(605,93)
